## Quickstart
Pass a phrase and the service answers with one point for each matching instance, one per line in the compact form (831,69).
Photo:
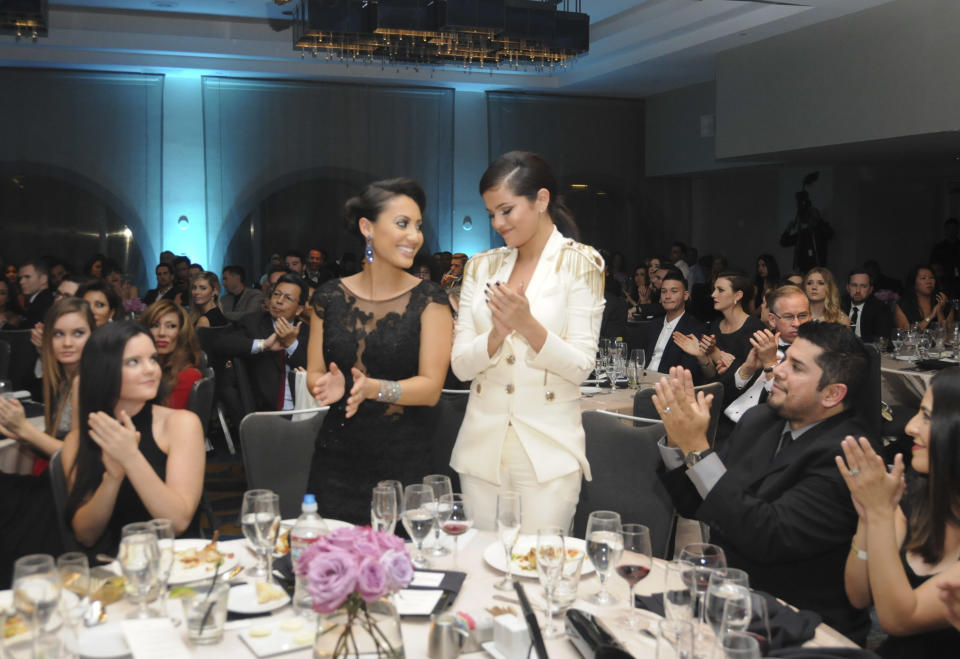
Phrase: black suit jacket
(264,368)
(672,354)
(876,319)
(786,519)
(152,297)
(37,309)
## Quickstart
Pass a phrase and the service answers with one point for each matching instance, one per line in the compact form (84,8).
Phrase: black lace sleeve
(321,296)
(432,292)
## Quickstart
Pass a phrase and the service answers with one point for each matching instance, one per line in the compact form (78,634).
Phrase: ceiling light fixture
(24,18)
(520,34)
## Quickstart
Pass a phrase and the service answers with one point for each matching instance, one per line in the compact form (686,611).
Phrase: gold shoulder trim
(583,262)
(490,259)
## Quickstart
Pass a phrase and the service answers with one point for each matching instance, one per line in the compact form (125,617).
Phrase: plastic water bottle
(308,528)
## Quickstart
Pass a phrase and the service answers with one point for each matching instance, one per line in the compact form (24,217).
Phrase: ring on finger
(854,472)
(667,409)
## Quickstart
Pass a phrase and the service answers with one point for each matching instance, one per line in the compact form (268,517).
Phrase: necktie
(785,438)
(283,380)
(854,315)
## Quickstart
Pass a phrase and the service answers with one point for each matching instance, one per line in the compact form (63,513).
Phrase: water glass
(206,612)
(565,592)
(739,645)
(139,559)
(728,600)
(604,544)
(679,591)
(74,571)
(550,554)
(419,504)
(383,508)
(36,593)
(705,558)
(508,528)
(639,357)
(163,528)
(441,485)
(260,521)
(398,490)
(674,639)
(896,340)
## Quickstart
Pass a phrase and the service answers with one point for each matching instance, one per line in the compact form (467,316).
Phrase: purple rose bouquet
(349,568)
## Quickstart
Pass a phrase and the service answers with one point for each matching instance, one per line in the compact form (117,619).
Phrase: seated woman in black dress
(126,458)
(902,552)
(923,302)
(205,309)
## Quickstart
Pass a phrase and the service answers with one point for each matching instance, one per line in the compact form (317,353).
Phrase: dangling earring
(368,251)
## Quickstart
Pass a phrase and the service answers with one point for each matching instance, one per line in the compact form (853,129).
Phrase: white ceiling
(638,47)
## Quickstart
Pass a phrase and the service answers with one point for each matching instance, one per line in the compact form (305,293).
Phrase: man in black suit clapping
(662,350)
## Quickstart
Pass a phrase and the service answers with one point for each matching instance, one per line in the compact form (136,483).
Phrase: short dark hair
(951,220)
(675,275)
(101,286)
(277,268)
(198,266)
(40,265)
(180,259)
(683,248)
(739,281)
(859,271)
(163,265)
(295,253)
(236,270)
(291,278)
(843,359)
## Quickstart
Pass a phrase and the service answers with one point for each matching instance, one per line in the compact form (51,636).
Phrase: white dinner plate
(181,574)
(589,391)
(494,555)
(66,597)
(287,524)
(104,641)
(907,358)
(268,637)
(243,599)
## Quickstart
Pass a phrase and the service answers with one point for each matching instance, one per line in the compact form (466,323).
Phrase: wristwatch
(693,457)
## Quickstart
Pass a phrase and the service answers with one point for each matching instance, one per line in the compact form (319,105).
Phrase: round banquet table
(902,383)
(477,594)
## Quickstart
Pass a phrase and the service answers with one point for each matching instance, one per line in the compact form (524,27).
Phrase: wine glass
(459,520)
(398,490)
(705,559)
(739,645)
(383,508)
(139,559)
(565,593)
(74,571)
(635,563)
(897,339)
(550,554)
(678,591)
(36,593)
(508,528)
(418,517)
(441,485)
(604,544)
(260,521)
(728,601)
(610,366)
(163,528)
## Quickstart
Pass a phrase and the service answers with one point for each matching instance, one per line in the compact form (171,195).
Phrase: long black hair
(101,378)
(525,174)
(935,496)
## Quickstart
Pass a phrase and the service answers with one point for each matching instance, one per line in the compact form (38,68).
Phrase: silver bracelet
(390,391)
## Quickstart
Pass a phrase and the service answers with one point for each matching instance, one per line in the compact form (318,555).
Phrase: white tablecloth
(902,383)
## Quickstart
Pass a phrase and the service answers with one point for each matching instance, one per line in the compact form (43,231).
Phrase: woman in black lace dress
(379,349)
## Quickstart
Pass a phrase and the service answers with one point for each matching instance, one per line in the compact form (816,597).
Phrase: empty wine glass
(398,490)
(441,485)
(74,571)
(896,340)
(458,521)
(383,508)
(260,521)
(550,554)
(508,528)
(139,558)
(604,544)
(565,593)
(418,517)
(635,563)
(36,593)
(163,528)
(679,592)
(705,558)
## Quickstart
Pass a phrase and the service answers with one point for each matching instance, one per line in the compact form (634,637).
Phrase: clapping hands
(329,387)
(685,412)
(874,490)
(118,440)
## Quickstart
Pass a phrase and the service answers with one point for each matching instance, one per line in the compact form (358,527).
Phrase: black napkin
(933,364)
(824,653)
(788,628)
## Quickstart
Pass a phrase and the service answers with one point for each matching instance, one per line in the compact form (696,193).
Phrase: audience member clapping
(821,289)
(923,302)
(128,459)
(9,318)
(727,341)
(103,301)
(178,350)
(904,549)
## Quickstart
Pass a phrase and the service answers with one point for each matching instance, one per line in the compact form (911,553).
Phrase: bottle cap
(309,500)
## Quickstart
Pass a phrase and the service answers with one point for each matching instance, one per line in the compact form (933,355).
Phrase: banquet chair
(4,359)
(449,412)
(643,405)
(23,357)
(624,462)
(277,453)
(201,404)
(58,483)
(868,402)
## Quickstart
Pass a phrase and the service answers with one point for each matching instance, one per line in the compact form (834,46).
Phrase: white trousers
(551,503)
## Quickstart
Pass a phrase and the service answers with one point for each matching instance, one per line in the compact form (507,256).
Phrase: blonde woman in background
(821,290)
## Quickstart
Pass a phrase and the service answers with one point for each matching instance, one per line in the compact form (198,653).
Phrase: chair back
(643,406)
(4,360)
(244,386)
(277,454)
(868,401)
(201,400)
(624,462)
(23,357)
(449,416)
(58,483)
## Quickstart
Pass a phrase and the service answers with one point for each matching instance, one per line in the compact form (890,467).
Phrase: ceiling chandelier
(487,34)
(24,18)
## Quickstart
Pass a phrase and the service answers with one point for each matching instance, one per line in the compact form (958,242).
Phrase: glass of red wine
(459,521)
(634,564)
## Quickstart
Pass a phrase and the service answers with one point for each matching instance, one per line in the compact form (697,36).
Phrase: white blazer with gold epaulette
(536,392)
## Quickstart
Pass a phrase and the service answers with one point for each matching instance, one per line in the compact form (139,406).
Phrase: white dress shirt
(856,325)
(666,335)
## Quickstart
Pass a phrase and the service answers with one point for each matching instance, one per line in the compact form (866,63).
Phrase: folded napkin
(788,628)
(824,653)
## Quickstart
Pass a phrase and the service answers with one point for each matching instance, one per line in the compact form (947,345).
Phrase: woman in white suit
(526,336)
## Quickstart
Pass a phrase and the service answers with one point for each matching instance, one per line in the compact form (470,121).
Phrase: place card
(154,638)
(417,602)
(423,579)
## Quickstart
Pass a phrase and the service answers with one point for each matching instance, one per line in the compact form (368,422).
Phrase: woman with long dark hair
(128,459)
(765,279)
(923,302)
(378,354)
(904,549)
(530,316)
(178,350)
